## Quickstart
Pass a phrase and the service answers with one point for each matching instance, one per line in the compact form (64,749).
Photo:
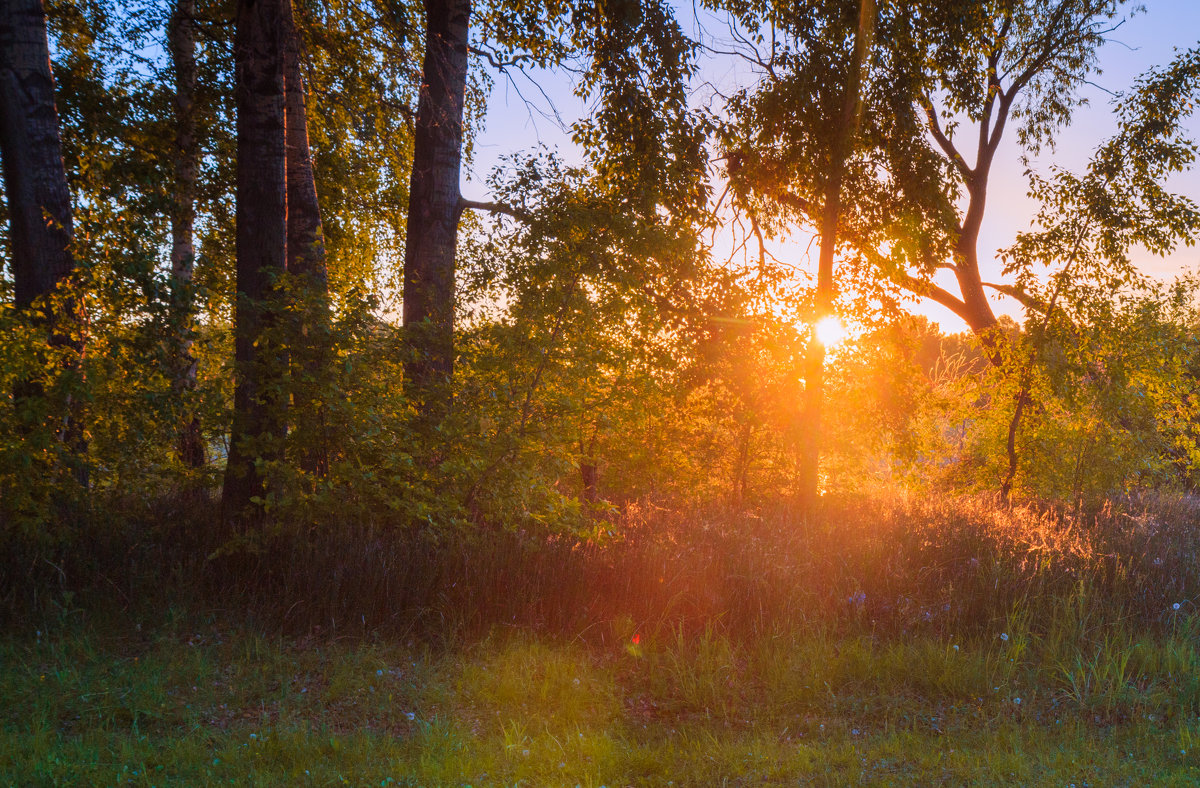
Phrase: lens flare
(830,331)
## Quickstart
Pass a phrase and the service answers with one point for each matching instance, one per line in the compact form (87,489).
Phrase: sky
(522,108)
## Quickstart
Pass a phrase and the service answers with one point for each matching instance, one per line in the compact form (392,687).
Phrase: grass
(887,642)
(179,705)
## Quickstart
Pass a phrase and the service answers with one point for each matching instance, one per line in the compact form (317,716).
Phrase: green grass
(184,706)
(886,642)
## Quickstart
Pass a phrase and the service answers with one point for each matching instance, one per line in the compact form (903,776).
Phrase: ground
(180,704)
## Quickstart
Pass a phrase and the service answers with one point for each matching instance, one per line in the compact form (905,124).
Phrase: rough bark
(306,262)
(181,40)
(35,181)
(39,203)
(814,372)
(259,406)
(434,208)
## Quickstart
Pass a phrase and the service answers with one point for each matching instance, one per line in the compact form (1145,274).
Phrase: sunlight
(830,331)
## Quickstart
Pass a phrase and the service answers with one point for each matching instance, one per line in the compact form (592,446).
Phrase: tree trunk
(434,209)
(35,180)
(260,365)
(589,470)
(306,262)
(181,39)
(39,202)
(814,367)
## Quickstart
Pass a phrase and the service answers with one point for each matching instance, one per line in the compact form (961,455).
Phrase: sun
(830,331)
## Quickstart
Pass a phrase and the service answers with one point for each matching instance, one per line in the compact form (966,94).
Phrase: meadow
(886,641)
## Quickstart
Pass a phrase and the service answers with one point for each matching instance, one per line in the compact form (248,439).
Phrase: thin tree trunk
(181,38)
(589,470)
(1010,444)
(434,208)
(259,405)
(39,202)
(306,262)
(1026,372)
(814,367)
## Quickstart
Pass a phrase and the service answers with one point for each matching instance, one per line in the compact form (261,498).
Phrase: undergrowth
(884,565)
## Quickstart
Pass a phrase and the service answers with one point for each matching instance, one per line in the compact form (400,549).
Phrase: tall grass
(872,641)
(880,566)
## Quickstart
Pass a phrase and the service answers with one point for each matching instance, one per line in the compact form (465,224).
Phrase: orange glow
(830,331)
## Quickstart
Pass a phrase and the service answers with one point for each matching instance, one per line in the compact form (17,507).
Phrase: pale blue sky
(1147,39)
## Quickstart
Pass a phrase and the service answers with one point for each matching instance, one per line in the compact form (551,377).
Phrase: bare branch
(494,207)
(927,289)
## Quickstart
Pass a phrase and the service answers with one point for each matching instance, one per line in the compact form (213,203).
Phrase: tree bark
(260,366)
(434,208)
(35,180)
(181,40)
(39,203)
(306,262)
(814,367)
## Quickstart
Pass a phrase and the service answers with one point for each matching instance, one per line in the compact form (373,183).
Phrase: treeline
(238,258)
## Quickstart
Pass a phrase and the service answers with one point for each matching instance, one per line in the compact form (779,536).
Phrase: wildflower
(1004,636)
(411,715)
(1017,701)
(1175,606)
(379,672)
(637,638)
(956,647)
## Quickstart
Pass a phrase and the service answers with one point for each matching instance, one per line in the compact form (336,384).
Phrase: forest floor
(174,704)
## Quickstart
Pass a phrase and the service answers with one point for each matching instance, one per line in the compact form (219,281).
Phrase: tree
(309,338)
(38,201)
(433,207)
(259,410)
(959,73)
(1089,222)
(181,41)
(891,199)
(811,95)
(646,141)
(39,204)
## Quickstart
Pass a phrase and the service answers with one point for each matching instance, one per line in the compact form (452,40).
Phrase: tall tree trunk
(260,366)
(306,262)
(434,208)
(181,38)
(814,372)
(35,181)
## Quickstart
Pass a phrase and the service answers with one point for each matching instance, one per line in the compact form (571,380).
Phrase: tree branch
(795,202)
(929,290)
(494,207)
(1027,300)
(935,128)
